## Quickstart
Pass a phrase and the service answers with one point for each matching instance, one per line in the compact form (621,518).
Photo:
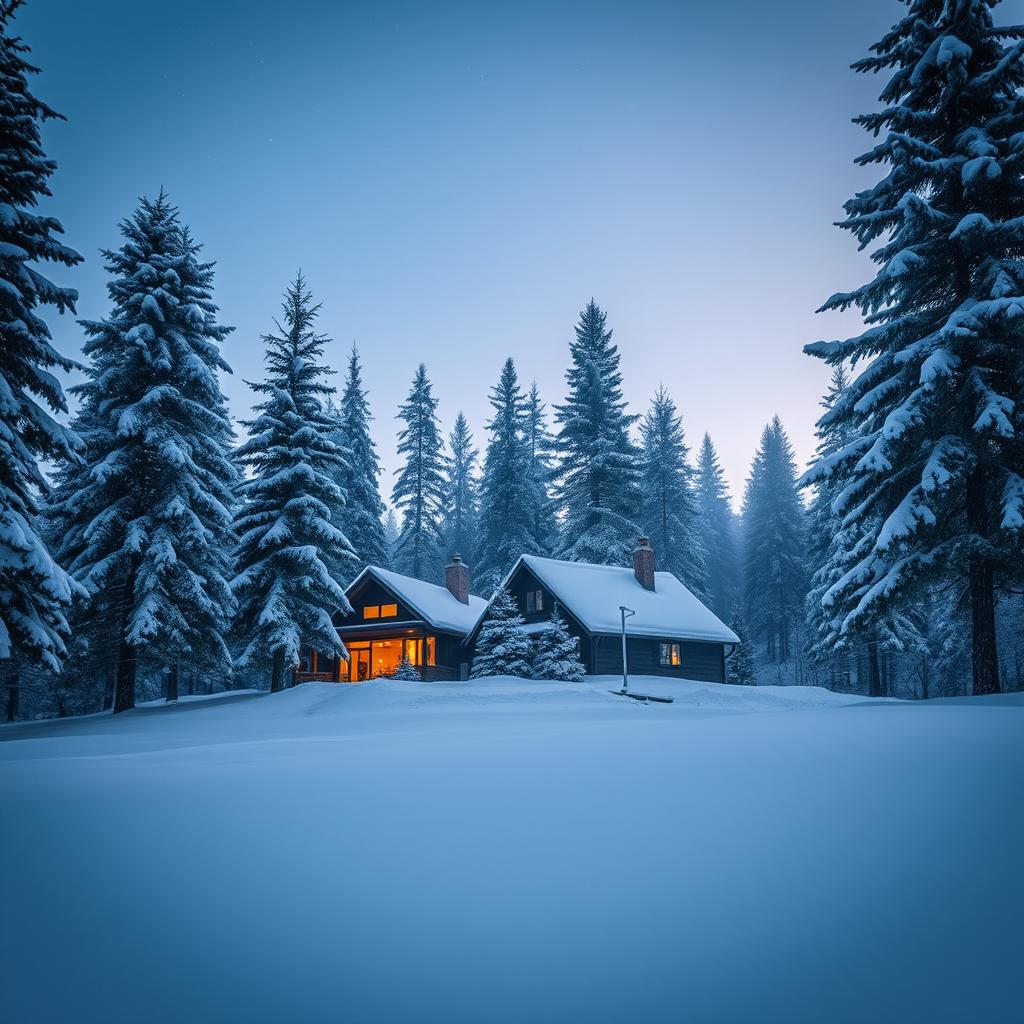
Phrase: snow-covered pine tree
(362,519)
(557,652)
(406,670)
(459,523)
(507,500)
(740,665)
(149,524)
(774,556)
(936,460)
(286,593)
(419,490)
(502,648)
(826,540)
(35,593)
(718,533)
(598,486)
(391,535)
(668,511)
(540,449)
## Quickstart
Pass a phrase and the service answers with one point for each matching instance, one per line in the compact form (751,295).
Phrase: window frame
(670,653)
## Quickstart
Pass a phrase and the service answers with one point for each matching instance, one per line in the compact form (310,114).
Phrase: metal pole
(625,613)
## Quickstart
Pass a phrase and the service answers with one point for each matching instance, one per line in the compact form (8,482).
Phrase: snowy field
(510,851)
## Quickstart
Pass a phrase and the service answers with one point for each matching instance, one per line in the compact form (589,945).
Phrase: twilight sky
(456,181)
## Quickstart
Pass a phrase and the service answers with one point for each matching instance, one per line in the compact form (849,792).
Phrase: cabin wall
(700,660)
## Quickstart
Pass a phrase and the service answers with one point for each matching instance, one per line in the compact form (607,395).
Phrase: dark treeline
(160,556)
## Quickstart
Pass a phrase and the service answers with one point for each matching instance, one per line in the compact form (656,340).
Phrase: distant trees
(739,666)
(362,517)
(598,469)
(773,536)
(35,592)
(146,526)
(668,512)
(718,532)
(508,502)
(460,521)
(932,475)
(286,539)
(419,491)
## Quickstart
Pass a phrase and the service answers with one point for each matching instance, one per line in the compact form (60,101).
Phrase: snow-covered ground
(501,850)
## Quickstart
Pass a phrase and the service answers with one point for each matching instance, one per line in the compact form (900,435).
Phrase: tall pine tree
(540,450)
(362,519)
(935,464)
(149,522)
(774,555)
(35,592)
(668,510)
(419,490)
(285,590)
(718,533)
(507,500)
(460,522)
(599,467)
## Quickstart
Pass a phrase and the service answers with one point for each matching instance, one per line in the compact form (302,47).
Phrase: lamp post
(625,613)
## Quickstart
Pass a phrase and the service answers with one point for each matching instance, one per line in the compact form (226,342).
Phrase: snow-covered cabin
(395,615)
(671,633)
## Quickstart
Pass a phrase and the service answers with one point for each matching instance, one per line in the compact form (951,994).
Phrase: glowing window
(371,611)
(388,611)
(671,655)
(431,650)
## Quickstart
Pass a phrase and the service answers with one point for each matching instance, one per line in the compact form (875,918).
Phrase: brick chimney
(456,579)
(643,563)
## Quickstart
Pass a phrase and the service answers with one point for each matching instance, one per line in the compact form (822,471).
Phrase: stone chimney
(456,579)
(643,563)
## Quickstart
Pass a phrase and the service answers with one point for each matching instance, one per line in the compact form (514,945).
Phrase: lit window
(388,611)
(670,654)
(371,611)
(431,650)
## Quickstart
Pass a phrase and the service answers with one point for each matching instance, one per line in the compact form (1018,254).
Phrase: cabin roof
(436,605)
(593,593)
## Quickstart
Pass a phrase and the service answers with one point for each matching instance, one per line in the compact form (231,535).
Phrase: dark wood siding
(370,591)
(700,660)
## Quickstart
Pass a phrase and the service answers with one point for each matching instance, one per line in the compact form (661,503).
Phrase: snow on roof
(437,605)
(593,593)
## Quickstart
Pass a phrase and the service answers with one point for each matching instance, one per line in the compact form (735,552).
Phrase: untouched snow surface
(502,850)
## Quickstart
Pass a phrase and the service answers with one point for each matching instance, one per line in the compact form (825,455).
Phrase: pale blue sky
(457,180)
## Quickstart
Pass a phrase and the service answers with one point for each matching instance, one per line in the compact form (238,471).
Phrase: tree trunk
(13,693)
(277,673)
(124,687)
(984,655)
(874,675)
(172,682)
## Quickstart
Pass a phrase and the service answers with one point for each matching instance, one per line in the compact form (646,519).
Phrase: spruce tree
(935,465)
(774,555)
(740,666)
(668,511)
(286,593)
(419,490)
(391,535)
(598,487)
(362,519)
(557,652)
(35,593)
(406,670)
(540,450)
(718,533)
(149,519)
(507,501)
(460,521)
(502,648)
